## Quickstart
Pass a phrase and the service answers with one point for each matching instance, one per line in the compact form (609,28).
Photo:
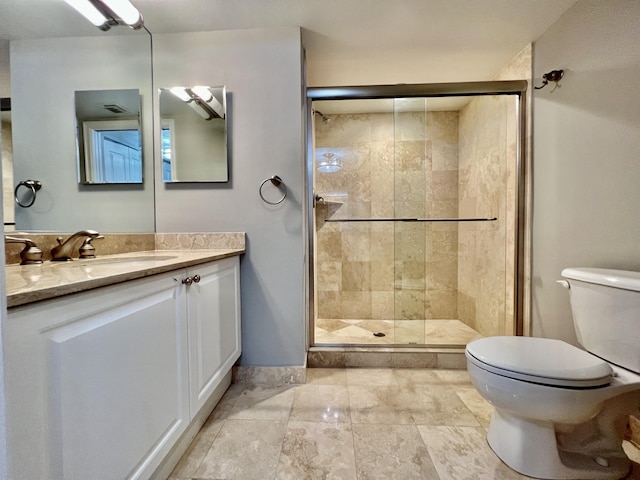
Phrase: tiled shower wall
(403,167)
(483,180)
(488,150)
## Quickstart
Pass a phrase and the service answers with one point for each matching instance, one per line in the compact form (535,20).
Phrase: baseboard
(270,375)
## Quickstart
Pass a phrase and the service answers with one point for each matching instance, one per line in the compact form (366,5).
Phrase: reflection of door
(120,162)
(168,150)
(113,152)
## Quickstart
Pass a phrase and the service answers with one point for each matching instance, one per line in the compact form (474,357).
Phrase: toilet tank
(606,313)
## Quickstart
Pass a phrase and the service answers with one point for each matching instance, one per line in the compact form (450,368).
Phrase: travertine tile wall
(355,260)
(487,186)
(482,184)
(402,165)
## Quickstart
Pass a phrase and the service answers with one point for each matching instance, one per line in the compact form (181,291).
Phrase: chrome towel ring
(277,182)
(33,186)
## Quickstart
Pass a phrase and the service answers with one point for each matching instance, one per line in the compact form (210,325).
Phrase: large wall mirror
(109,137)
(45,74)
(193,134)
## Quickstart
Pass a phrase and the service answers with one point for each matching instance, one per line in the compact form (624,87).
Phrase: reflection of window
(168,150)
(112,151)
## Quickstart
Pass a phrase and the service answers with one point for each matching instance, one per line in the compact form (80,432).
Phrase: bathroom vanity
(111,371)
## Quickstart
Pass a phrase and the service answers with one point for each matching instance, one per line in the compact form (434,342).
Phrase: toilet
(561,411)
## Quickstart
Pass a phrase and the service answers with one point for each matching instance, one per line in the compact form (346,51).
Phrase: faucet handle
(31,254)
(86,249)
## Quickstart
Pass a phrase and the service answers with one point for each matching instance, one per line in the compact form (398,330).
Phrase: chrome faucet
(64,250)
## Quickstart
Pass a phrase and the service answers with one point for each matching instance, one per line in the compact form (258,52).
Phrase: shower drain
(379,334)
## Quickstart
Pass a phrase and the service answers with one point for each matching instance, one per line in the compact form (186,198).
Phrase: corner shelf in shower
(328,204)
(324,198)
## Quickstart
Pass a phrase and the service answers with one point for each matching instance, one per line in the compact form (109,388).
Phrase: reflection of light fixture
(329,164)
(203,92)
(201,100)
(181,93)
(105,14)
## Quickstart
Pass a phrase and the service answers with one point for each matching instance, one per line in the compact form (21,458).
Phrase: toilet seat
(540,360)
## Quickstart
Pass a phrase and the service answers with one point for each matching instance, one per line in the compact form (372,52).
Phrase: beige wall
(586,168)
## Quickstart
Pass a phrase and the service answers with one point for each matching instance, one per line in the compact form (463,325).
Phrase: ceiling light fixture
(105,14)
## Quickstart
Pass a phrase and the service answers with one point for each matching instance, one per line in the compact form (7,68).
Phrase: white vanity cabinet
(102,384)
(214,339)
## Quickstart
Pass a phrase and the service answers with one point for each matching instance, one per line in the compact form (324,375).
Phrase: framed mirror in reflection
(108,130)
(194,134)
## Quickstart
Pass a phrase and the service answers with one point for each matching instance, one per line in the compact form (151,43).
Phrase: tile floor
(427,332)
(349,424)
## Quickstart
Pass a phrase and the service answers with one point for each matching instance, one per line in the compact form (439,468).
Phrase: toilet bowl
(561,411)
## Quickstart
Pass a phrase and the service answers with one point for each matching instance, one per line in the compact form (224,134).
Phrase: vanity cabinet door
(99,381)
(214,326)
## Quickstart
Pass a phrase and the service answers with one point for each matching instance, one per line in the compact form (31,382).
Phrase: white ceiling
(347,41)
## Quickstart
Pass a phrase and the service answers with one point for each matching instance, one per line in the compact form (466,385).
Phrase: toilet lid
(540,360)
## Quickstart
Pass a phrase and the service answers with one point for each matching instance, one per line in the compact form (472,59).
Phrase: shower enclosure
(416,213)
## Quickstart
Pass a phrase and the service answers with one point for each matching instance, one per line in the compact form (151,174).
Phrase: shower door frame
(517,88)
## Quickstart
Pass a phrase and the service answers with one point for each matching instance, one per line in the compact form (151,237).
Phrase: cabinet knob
(187,281)
(196,278)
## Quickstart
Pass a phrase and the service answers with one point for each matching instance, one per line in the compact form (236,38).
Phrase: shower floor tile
(419,332)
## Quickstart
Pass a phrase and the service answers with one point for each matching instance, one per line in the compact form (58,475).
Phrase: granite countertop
(31,283)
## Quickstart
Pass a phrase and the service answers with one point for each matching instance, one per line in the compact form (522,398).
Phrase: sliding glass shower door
(413,220)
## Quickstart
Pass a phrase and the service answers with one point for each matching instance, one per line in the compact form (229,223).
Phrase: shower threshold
(385,356)
(445,333)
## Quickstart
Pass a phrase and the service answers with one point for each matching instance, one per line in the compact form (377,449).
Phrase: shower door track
(456,89)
